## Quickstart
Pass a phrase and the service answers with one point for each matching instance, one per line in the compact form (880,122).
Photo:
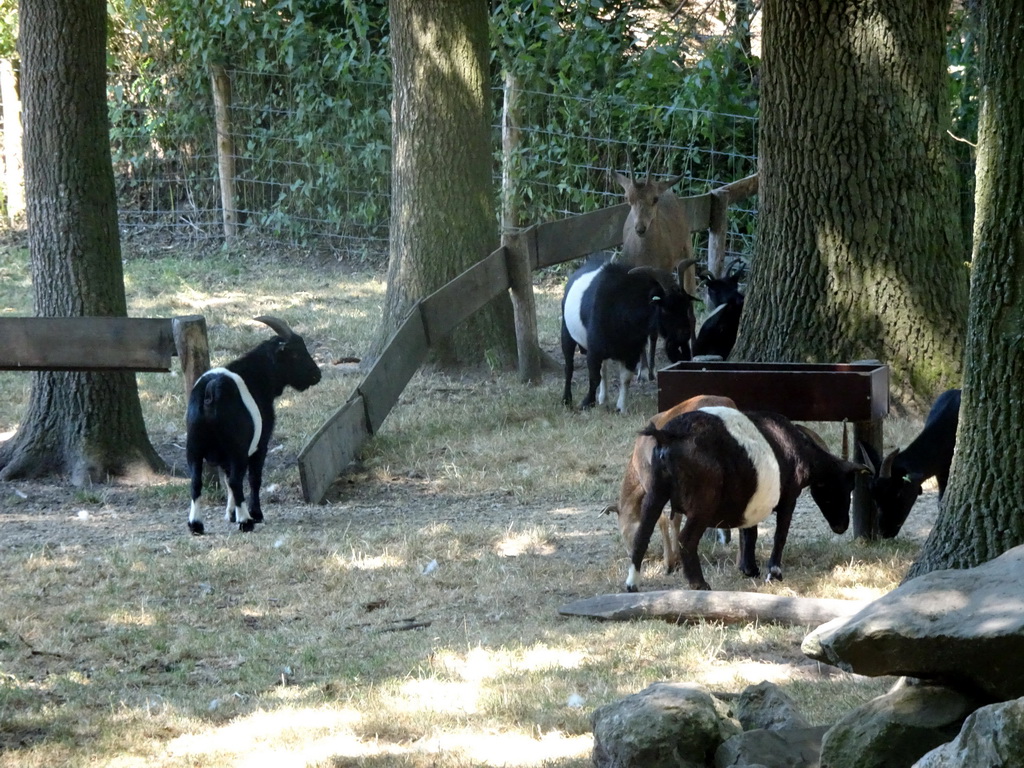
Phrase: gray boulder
(786,748)
(666,725)
(962,628)
(894,730)
(767,706)
(992,737)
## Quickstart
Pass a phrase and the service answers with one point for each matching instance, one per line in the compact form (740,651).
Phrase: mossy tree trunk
(86,426)
(443,206)
(982,513)
(859,252)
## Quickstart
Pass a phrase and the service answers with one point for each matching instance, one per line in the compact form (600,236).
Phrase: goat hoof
(701,587)
(247,527)
(196,527)
(631,588)
(751,572)
(774,574)
(257,515)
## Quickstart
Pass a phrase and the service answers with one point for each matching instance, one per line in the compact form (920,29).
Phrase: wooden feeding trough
(855,392)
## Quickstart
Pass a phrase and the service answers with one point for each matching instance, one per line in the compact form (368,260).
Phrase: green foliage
(964,107)
(8,29)
(310,117)
(598,80)
(311,82)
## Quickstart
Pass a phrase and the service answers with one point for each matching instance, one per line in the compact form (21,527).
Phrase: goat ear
(669,183)
(624,182)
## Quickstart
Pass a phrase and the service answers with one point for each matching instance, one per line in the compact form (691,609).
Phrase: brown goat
(637,481)
(657,229)
(656,234)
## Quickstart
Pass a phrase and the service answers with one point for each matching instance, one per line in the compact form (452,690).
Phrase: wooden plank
(567,239)
(576,236)
(398,363)
(86,343)
(451,304)
(334,446)
(730,607)
(699,209)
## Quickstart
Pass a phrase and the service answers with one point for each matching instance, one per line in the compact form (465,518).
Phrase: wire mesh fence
(319,177)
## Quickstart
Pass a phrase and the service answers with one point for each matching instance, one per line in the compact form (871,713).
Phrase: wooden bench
(105,344)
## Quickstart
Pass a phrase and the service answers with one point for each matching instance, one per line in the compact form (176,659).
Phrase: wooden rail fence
(105,344)
(510,268)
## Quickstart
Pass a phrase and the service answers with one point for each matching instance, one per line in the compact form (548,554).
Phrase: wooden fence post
(510,141)
(14,175)
(193,347)
(225,147)
(721,199)
(524,306)
(864,511)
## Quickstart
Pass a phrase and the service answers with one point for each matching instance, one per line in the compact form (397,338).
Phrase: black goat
(718,332)
(896,481)
(231,416)
(725,468)
(610,311)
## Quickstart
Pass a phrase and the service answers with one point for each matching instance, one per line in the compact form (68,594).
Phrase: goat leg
(255,482)
(746,560)
(195,522)
(783,517)
(650,512)
(689,538)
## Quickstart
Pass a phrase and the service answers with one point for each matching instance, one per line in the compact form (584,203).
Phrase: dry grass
(472,518)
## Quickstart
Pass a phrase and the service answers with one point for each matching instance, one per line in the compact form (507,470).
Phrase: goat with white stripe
(230,419)
(724,468)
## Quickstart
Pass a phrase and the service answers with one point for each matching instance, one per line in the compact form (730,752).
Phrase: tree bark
(443,208)
(859,250)
(982,513)
(87,426)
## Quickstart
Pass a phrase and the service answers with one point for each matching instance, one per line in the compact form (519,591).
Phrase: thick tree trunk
(982,513)
(443,210)
(87,426)
(859,250)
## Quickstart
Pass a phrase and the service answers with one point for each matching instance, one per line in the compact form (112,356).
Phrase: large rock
(992,737)
(784,748)
(767,706)
(963,628)
(666,725)
(894,730)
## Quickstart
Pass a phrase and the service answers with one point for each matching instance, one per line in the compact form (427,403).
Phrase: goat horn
(886,470)
(629,166)
(681,268)
(279,326)
(733,263)
(665,278)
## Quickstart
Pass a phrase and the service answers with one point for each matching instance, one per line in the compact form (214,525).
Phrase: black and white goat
(896,481)
(730,469)
(718,332)
(611,311)
(231,416)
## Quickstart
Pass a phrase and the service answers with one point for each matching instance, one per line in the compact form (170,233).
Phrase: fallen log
(679,605)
